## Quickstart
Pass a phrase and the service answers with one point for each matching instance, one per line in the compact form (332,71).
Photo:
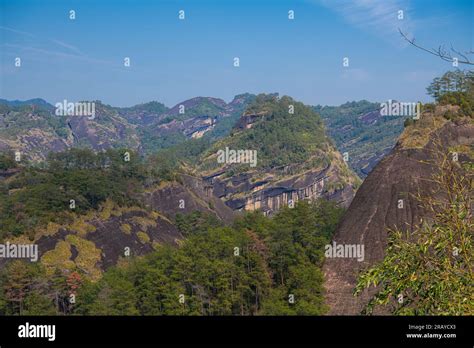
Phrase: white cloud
(17,31)
(67,46)
(39,41)
(379,17)
(42,46)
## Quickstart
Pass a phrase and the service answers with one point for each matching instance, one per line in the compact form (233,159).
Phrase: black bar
(342,330)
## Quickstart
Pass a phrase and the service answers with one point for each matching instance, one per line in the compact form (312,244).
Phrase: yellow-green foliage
(335,186)
(156,215)
(88,256)
(129,209)
(126,228)
(144,238)
(19,240)
(107,209)
(49,230)
(163,184)
(418,134)
(462,148)
(52,228)
(110,208)
(144,222)
(117,211)
(82,227)
(58,258)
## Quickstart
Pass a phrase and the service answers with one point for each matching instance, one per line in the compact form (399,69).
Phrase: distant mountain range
(37,102)
(294,160)
(32,127)
(360,130)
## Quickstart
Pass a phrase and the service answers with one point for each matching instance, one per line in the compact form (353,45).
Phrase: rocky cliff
(376,206)
(294,160)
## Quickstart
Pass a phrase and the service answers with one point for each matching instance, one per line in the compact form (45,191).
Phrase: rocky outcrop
(375,208)
(33,128)
(247,120)
(135,231)
(100,239)
(194,127)
(8,172)
(188,195)
(243,193)
(35,131)
(298,163)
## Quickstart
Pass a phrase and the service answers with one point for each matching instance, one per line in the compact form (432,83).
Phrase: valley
(149,197)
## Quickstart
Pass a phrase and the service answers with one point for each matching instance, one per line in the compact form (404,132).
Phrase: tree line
(257,266)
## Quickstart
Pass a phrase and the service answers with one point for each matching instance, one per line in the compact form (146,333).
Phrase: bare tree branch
(460,54)
(440,52)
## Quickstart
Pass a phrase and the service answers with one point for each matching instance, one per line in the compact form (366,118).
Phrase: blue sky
(173,60)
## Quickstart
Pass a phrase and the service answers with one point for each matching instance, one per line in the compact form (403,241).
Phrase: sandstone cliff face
(99,239)
(375,207)
(299,163)
(107,130)
(243,192)
(194,127)
(191,194)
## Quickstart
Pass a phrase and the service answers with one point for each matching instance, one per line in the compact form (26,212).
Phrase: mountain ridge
(376,205)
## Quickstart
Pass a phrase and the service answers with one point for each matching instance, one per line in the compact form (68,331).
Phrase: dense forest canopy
(256,266)
(42,194)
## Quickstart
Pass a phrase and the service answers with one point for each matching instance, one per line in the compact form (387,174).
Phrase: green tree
(116,295)
(24,290)
(429,272)
(37,303)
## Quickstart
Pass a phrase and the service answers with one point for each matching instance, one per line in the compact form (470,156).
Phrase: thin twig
(440,52)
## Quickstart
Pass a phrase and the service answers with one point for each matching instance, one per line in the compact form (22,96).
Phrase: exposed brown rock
(194,193)
(374,209)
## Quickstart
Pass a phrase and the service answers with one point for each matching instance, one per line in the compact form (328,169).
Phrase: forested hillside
(121,230)
(33,128)
(186,255)
(360,130)
(257,266)
(295,159)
